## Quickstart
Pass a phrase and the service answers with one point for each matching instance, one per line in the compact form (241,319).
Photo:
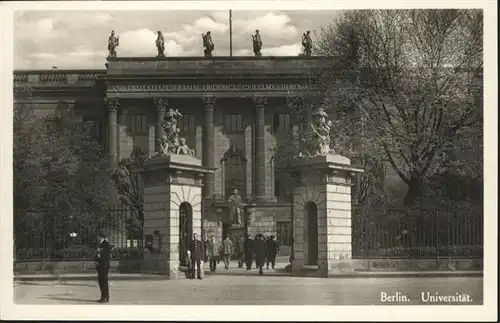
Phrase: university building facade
(235,111)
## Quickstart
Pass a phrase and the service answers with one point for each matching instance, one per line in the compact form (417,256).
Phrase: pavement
(233,270)
(259,290)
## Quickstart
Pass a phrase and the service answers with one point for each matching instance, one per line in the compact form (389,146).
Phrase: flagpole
(230,33)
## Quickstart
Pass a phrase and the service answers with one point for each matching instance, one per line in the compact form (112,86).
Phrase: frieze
(206,87)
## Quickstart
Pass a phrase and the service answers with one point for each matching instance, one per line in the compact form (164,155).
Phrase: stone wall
(265,217)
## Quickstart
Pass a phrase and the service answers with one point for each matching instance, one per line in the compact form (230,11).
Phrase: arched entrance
(311,226)
(185,230)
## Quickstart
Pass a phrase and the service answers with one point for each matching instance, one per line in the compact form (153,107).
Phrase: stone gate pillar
(169,182)
(323,185)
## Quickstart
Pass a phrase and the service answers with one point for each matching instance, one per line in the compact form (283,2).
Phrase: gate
(185,230)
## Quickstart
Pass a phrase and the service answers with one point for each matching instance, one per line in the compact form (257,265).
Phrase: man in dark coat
(196,249)
(249,253)
(102,259)
(272,251)
(259,248)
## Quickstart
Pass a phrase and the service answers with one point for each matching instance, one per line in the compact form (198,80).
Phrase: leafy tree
(58,170)
(129,186)
(411,80)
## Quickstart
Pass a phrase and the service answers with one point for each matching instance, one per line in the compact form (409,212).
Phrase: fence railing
(48,235)
(417,233)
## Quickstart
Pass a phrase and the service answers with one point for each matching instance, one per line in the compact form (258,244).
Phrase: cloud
(137,43)
(46,38)
(269,24)
(285,50)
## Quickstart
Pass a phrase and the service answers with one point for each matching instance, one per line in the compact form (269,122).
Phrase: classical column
(113,105)
(122,134)
(161,107)
(208,145)
(260,148)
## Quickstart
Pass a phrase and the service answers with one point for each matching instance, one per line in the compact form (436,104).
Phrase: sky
(78,39)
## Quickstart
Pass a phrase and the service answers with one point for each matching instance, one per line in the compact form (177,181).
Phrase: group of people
(260,249)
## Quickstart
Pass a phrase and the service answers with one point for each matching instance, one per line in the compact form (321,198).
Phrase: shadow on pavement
(70,299)
(43,283)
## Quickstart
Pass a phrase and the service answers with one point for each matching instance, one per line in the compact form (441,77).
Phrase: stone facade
(123,101)
(170,183)
(322,211)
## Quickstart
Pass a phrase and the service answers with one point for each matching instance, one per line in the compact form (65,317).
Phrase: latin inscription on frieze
(206,87)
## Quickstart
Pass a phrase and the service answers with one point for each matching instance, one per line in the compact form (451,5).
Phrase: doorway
(185,230)
(312,233)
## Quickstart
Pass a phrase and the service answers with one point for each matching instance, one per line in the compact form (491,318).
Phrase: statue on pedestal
(160,44)
(113,42)
(307,43)
(317,140)
(257,43)
(208,44)
(235,203)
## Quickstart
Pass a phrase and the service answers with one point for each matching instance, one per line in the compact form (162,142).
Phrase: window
(301,119)
(138,124)
(284,233)
(186,124)
(277,188)
(233,123)
(281,123)
(96,128)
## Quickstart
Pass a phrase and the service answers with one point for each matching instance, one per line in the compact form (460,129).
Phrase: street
(261,290)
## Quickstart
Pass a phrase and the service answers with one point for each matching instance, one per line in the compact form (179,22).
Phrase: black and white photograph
(249,154)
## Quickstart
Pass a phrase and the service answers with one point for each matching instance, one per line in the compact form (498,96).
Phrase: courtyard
(256,290)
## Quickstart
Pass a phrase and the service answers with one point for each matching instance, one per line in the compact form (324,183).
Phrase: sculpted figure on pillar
(183,148)
(257,43)
(317,140)
(170,142)
(307,43)
(160,44)
(208,44)
(113,42)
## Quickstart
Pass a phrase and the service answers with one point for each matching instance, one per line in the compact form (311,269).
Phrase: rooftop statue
(160,44)
(113,42)
(317,139)
(208,44)
(257,43)
(306,43)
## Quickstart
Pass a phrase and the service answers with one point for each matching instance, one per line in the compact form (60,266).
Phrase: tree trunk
(414,192)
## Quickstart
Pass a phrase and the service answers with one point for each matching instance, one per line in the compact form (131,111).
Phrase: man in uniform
(196,249)
(102,266)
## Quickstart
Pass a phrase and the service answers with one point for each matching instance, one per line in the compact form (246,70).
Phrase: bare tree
(415,79)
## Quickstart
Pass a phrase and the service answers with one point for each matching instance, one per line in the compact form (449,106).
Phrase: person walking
(205,249)
(102,259)
(249,253)
(259,247)
(240,249)
(213,251)
(196,249)
(272,251)
(267,255)
(227,251)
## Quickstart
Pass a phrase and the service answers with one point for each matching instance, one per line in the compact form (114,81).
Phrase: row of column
(208,139)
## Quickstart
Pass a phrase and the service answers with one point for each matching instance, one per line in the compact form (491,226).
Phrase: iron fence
(417,233)
(49,235)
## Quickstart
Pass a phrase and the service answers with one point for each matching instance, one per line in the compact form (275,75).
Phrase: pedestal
(322,214)
(172,211)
